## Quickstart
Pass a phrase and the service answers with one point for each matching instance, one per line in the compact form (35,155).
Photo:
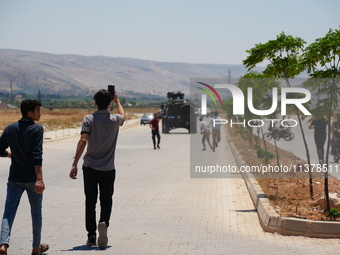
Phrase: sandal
(43,248)
(5,251)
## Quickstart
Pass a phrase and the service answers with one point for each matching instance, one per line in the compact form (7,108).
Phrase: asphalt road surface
(296,146)
(158,208)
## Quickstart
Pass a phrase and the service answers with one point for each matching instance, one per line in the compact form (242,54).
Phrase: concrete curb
(66,133)
(272,222)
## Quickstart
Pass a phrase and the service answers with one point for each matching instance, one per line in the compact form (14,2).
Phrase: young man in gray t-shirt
(99,132)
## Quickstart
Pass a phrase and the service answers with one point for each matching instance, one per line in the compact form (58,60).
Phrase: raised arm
(119,106)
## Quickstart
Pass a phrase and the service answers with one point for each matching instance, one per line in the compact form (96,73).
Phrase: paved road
(296,146)
(158,208)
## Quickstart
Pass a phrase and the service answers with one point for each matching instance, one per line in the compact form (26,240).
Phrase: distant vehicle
(12,106)
(278,133)
(178,113)
(198,112)
(147,117)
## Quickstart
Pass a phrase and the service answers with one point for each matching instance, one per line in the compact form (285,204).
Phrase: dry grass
(288,193)
(61,118)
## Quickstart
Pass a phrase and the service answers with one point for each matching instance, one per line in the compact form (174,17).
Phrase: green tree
(321,59)
(285,62)
(228,107)
(122,100)
(261,99)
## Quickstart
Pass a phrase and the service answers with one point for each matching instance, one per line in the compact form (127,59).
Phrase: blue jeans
(14,193)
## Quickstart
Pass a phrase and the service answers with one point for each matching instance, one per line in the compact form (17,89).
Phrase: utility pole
(11,91)
(229,76)
(39,95)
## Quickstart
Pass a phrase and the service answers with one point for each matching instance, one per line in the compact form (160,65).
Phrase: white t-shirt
(204,126)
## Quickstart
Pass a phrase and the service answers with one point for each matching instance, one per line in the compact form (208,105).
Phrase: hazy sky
(192,31)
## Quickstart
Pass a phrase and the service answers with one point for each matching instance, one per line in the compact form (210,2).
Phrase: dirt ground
(61,118)
(289,193)
(49,119)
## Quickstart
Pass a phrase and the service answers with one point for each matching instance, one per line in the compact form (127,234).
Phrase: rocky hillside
(74,74)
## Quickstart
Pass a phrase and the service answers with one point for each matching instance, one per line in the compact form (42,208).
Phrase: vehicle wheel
(292,135)
(287,136)
(268,136)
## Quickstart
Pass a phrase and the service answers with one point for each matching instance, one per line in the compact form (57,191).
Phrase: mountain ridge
(30,71)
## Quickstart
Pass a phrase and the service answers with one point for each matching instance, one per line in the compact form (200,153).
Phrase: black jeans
(320,142)
(105,181)
(155,133)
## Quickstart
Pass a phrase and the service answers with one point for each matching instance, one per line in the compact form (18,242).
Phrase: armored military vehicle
(178,113)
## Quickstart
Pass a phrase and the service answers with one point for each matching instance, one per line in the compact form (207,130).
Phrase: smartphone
(111,89)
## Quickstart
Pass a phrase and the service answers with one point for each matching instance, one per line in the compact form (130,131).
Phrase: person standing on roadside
(335,132)
(99,132)
(319,126)
(25,139)
(155,131)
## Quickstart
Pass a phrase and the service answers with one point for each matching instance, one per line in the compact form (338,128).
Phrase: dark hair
(102,98)
(29,105)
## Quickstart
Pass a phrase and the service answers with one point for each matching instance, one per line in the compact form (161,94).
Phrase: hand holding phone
(111,89)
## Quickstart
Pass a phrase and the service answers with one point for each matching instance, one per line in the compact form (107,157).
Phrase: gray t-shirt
(102,128)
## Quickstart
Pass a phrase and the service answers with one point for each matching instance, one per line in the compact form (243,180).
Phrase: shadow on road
(85,248)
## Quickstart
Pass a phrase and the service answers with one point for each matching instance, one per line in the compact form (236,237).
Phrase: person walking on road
(216,130)
(205,131)
(25,139)
(335,131)
(99,132)
(319,126)
(155,131)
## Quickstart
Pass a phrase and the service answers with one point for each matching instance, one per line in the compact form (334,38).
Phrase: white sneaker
(102,239)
